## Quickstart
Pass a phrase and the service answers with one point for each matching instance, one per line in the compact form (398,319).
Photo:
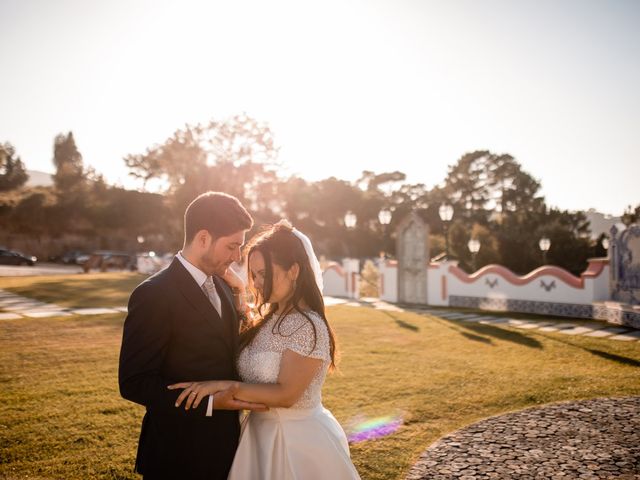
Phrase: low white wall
(547,284)
(438,284)
(342,280)
(388,283)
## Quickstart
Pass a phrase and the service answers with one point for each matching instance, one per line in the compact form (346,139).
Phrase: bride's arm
(222,391)
(295,375)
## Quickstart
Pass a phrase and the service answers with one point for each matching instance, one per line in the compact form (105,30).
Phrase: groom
(182,325)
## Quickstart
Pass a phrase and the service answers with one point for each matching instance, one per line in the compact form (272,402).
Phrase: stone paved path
(589,439)
(565,327)
(15,306)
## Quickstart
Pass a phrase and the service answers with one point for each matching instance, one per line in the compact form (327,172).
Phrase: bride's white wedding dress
(305,441)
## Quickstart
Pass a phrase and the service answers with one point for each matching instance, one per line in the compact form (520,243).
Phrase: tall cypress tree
(12,171)
(68,162)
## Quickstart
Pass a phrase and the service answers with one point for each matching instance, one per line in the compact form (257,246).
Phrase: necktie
(209,289)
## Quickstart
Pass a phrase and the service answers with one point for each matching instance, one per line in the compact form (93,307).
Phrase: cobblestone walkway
(590,439)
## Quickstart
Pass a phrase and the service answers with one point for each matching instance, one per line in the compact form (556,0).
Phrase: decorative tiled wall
(610,313)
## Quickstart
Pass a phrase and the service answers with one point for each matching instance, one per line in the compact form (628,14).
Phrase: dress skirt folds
(292,444)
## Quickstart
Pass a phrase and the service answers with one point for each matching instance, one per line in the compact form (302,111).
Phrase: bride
(283,363)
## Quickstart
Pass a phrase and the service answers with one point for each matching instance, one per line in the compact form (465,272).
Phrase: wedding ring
(192,393)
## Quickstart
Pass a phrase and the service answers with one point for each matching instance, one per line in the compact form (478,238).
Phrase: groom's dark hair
(218,213)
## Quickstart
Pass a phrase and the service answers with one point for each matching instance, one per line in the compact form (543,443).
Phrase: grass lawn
(76,291)
(61,415)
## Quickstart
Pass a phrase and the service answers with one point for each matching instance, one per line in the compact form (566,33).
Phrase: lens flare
(374,428)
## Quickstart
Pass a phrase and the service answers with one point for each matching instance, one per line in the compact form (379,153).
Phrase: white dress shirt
(200,277)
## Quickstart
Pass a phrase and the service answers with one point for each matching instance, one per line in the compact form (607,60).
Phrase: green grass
(61,415)
(76,291)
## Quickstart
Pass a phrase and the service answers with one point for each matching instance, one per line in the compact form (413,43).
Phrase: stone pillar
(412,248)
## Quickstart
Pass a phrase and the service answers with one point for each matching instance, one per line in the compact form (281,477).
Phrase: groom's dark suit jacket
(172,334)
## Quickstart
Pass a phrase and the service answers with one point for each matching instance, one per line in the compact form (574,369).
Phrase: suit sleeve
(145,339)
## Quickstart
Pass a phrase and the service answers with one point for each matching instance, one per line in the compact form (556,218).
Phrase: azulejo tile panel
(598,311)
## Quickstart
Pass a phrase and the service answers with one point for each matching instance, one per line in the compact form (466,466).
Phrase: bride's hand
(194,392)
(234,280)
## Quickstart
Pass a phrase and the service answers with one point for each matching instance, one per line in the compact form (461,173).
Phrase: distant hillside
(39,179)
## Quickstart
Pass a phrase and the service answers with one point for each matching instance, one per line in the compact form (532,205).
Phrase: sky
(345,85)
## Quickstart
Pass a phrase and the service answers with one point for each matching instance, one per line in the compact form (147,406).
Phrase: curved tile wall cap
(509,276)
(334,266)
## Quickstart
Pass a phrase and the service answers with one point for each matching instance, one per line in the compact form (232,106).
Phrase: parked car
(152,262)
(10,257)
(74,257)
(104,260)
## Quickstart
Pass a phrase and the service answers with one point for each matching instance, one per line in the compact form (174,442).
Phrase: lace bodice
(259,362)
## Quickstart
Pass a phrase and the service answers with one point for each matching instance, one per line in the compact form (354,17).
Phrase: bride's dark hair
(278,245)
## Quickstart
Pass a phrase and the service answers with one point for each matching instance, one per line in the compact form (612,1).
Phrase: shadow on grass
(407,325)
(401,323)
(599,353)
(477,338)
(478,329)
(613,357)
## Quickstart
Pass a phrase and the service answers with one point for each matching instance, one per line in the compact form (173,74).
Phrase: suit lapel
(196,297)
(229,314)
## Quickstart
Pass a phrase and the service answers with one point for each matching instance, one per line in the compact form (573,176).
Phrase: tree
(482,183)
(236,156)
(519,232)
(488,252)
(333,198)
(518,241)
(68,162)
(386,182)
(12,171)
(127,214)
(501,202)
(631,215)
(570,239)
(32,214)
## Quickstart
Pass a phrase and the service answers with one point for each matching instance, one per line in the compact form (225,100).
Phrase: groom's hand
(223,392)
(225,400)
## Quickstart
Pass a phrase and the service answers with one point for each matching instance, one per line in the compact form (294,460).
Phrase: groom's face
(222,252)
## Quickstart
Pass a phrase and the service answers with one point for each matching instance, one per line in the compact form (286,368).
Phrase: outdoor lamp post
(446,214)
(474,248)
(544,245)
(350,220)
(140,240)
(384,217)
